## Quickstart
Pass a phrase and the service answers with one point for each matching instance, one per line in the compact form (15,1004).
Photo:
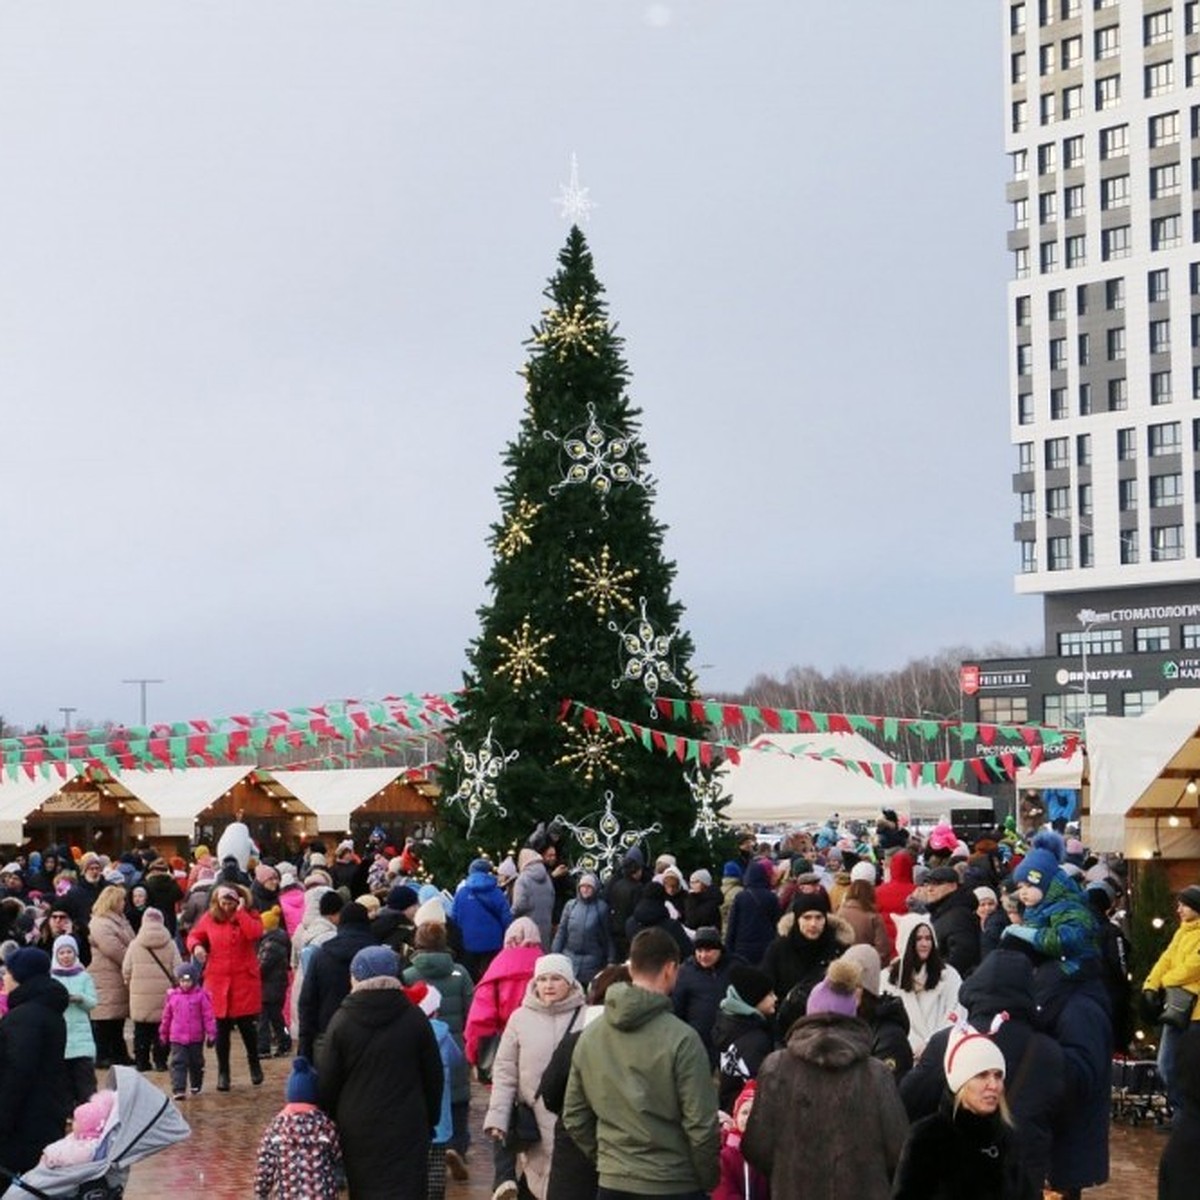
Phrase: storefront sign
(73,802)
(968,679)
(1100,675)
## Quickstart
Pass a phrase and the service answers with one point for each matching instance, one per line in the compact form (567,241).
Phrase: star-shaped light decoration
(517,526)
(707,794)
(526,650)
(481,769)
(566,330)
(602,582)
(605,844)
(589,753)
(572,199)
(646,651)
(598,456)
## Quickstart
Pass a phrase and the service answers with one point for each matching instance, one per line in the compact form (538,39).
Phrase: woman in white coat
(927,986)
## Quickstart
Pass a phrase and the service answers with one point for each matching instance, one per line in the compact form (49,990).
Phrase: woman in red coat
(225,940)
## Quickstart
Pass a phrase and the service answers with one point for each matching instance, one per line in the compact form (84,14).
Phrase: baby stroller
(143,1122)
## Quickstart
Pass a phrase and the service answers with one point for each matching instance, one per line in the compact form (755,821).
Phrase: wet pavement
(217,1161)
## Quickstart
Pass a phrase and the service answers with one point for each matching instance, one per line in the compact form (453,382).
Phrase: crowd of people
(928,1018)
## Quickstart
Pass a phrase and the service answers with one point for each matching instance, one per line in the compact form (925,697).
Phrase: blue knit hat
(302,1083)
(373,961)
(27,962)
(1040,865)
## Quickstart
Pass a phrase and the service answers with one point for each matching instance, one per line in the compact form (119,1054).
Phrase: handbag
(1177,1007)
(523,1130)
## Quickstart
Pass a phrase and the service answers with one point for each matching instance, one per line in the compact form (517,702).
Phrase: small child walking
(299,1155)
(739,1180)
(274,959)
(81,993)
(187,1023)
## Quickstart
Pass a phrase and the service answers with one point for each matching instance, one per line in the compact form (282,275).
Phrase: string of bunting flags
(892,773)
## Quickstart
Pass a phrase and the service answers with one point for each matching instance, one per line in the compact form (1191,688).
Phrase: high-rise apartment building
(1102,111)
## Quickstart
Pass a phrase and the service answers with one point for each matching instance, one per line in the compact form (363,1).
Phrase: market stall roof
(20,798)
(1053,773)
(1140,767)
(178,798)
(768,786)
(335,795)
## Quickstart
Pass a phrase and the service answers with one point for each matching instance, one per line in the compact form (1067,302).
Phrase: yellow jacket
(1179,963)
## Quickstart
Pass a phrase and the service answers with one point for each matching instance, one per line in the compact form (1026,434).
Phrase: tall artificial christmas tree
(581,611)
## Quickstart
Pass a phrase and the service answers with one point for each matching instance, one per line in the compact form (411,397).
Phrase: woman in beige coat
(109,935)
(553,1003)
(149,971)
(859,911)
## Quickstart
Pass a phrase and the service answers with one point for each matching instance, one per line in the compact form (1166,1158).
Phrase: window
(1072,106)
(1046,58)
(1158,285)
(1191,637)
(1048,207)
(1114,243)
(1045,12)
(1058,553)
(1108,92)
(1164,129)
(1081,299)
(1025,360)
(1075,248)
(1126,444)
(1166,490)
(1085,349)
(1196,383)
(1118,395)
(1160,337)
(1087,550)
(1021,262)
(1115,344)
(1003,710)
(1071,708)
(1021,213)
(1166,545)
(1073,198)
(1157,27)
(1058,503)
(1191,69)
(1085,499)
(1108,41)
(1020,115)
(1194,279)
(1048,257)
(1046,108)
(1114,294)
(1164,232)
(1020,164)
(1024,457)
(1164,181)
(1191,17)
(1099,641)
(1127,495)
(1134,704)
(1114,141)
(1160,78)
(1083,450)
(1195,330)
(1058,404)
(1072,53)
(1047,156)
(1070,8)
(1018,67)
(1056,304)
(1164,439)
(1025,409)
(1028,506)
(1028,557)
(1085,399)
(1129,546)
(1160,387)
(1057,454)
(1073,152)
(1024,310)
(1016,19)
(1151,637)
(1114,192)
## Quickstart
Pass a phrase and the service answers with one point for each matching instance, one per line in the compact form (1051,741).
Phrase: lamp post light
(1088,617)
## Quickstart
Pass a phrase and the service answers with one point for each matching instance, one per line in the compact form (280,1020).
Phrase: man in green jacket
(641,1102)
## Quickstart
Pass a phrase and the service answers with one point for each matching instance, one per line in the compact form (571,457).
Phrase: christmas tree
(581,611)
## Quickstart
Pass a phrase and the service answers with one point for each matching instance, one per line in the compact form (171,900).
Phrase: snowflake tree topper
(707,794)
(646,652)
(604,845)
(481,769)
(572,199)
(599,456)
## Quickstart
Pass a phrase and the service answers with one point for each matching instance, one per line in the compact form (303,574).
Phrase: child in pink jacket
(187,1022)
(739,1180)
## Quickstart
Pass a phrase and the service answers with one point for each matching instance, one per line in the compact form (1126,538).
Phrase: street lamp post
(143,684)
(1087,617)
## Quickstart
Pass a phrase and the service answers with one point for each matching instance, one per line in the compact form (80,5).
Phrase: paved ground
(217,1162)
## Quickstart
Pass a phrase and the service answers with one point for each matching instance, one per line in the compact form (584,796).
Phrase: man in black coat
(327,977)
(82,894)
(700,986)
(955,924)
(380,1078)
(33,1075)
(1034,1079)
(624,891)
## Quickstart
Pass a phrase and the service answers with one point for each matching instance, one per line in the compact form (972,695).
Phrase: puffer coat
(585,936)
(454,984)
(149,970)
(109,936)
(231,974)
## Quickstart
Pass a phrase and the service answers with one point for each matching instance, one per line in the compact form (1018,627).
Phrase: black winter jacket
(702,908)
(274,956)
(956,927)
(327,982)
(697,997)
(741,1042)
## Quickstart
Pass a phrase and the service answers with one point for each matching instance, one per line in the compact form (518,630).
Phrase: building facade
(1103,137)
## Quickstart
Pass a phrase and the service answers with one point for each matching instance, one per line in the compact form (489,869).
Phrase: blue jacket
(482,912)
(452,1059)
(751,927)
(585,937)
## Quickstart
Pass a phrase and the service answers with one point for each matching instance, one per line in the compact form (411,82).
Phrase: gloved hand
(210,1042)
(1152,1004)
(1019,931)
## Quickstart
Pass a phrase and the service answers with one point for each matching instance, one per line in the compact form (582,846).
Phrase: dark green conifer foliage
(575,361)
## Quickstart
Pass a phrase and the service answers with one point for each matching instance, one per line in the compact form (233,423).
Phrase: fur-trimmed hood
(841,927)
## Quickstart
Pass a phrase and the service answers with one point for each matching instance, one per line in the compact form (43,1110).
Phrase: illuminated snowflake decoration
(707,794)
(597,456)
(526,651)
(602,583)
(517,526)
(572,199)
(646,652)
(589,753)
(567,330)
(603,846)
(481,769)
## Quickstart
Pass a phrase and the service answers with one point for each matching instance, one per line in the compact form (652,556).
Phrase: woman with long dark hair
(918,976)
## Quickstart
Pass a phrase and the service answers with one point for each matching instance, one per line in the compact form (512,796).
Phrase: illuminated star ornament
(599,457)
(481,769)
(567,330)
(646,651)
(604,845)
(707,795)
(590,753)
(526,651)
(572,198)
(602,583)
(516,535)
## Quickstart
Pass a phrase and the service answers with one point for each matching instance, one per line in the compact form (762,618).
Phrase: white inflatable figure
(236,842)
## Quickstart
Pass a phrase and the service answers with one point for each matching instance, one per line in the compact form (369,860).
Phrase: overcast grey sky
(266,268)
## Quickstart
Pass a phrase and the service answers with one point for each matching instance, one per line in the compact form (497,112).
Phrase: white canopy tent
(21,798)
(775,783)
(178,798)
(335,795)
